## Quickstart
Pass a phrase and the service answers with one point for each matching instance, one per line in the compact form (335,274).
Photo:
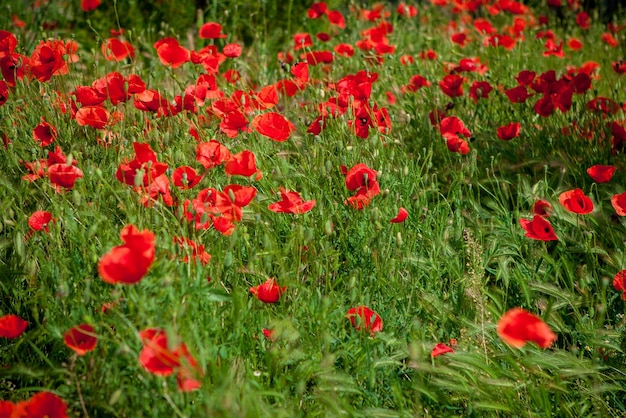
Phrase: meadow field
(344,209)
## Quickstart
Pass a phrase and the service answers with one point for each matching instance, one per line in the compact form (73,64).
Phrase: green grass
(450,271)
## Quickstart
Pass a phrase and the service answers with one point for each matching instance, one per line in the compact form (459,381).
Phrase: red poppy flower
(362,317)
(574,44)
(541,208)
(211,30)
(156,356)
(416,82)
(241,164)
(400,217)
(189,371)
(344,50)
(48,59)
(509,131)
(619,283)
(609,39)
(63,175)
(185,177)
(171,53)
(317,10)
(270,334)
(274,126)
(44,133)
(6,409)
(480,90)
(233,122)
(517,327)
(232,50)
(302,40)
(291,203)
(95,116)
(575,201)
(538,229)
(212,153)
(335,18)
(40,220)
(360,175)
(41,405)
(517,94)
(451,127)
(601,173)
(407,10)
(89,5)
(440,349)
(269,291)
(81,339)
(115,49)
(12,326)
(452,85)
(619,203)
(128,263)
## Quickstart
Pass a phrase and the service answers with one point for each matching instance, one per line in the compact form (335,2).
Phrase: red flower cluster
(55,167)
(619,283)
(221,210)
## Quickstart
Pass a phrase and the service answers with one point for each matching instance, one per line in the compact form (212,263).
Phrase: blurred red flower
(4,92)
(362,317)
(156,356)
(268,291)
(510,131)
(41,405)
(576,201)
(211,30)
(440,349)
(115,49)
(517,327)
(128,263)
(81,339)
(291,203)
(89,5)
(539,229)
(12,326)
(400,217)
(274,126)
(619,283)
(171,53)
(601,173)
(618,201)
